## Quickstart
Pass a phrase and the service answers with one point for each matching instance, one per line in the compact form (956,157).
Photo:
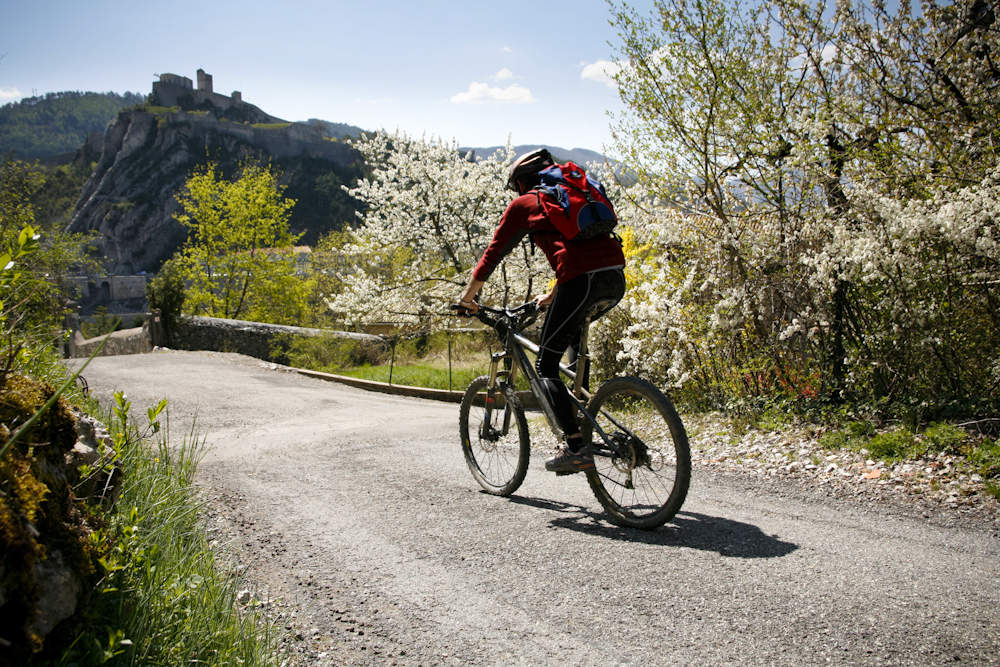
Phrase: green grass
(852,435)
(415,375)
(270,126)
(165,598)
(420,361)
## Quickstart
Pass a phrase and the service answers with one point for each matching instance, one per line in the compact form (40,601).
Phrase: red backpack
(575,203)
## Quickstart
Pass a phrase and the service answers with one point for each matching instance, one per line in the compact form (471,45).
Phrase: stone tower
(204,81)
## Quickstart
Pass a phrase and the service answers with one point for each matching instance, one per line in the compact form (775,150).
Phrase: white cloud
(602,71)
(506,48)
(10,94)
(482,93)
(503,75)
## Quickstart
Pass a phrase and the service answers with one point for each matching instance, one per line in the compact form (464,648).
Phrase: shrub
(330,352)
(985,458)
(894,445)
(854,435)
(945,437)
(166,294)
(104,323)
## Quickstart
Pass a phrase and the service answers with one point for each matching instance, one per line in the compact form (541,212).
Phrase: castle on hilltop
(174,90)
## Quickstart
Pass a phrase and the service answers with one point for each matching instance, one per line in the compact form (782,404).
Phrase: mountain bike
(641,454)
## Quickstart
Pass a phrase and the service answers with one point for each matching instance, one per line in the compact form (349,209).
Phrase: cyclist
(586,272)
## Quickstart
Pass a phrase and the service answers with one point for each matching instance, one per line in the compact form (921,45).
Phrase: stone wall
(126,341)
(110,288)
(294,140)
(168,94)
(253,339)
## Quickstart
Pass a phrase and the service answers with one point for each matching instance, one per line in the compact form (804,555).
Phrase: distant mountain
(58,123)
(582,156)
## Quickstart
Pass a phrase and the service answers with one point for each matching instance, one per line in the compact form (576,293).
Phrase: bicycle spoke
(641,476)
(494,439)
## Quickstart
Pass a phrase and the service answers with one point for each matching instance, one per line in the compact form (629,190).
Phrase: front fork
(507,373)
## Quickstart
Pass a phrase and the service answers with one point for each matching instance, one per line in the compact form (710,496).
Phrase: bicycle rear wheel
(495,437)
(644,484)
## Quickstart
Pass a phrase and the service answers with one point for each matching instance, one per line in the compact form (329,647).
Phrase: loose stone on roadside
(795,453)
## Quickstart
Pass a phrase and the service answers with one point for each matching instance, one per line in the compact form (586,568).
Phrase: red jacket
(568,259)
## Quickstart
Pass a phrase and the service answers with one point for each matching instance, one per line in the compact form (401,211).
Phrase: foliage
(104,323)
(33,290)
(40,517)
(322,204)
(430,213)
(165,293)
(420,360)
(431,376)
(238,259)
(58,122)
(53,202)
(982,455)
(853,435)
(817,198)
(894,445)
(164,596)
(985,458)
(330,353)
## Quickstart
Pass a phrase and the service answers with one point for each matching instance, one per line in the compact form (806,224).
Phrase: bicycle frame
(515,358)
(640,475)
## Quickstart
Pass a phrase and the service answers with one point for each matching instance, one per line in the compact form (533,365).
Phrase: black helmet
(528,164)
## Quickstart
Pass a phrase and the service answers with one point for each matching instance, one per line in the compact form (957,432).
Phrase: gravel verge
(937,486)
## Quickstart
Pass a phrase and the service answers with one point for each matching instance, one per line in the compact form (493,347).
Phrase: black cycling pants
(562,329)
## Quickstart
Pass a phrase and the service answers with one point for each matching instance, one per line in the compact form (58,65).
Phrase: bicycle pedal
(563,473)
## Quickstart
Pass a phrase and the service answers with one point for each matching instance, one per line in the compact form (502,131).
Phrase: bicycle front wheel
(495,437)
(642,481)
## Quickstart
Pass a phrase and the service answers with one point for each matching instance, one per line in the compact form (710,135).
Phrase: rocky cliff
(149,152)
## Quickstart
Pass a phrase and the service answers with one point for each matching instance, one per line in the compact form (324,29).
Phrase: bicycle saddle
(600,307)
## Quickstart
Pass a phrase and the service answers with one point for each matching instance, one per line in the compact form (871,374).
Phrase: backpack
(575,203)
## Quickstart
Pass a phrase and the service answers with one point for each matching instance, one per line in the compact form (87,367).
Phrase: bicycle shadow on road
(726,537)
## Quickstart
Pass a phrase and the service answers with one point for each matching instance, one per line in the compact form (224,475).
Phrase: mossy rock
(42,524)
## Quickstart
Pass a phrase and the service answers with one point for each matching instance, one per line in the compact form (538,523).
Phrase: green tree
(34,291)
(58,122)
(238,258)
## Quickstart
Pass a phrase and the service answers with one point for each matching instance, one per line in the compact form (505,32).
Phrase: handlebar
(523,315)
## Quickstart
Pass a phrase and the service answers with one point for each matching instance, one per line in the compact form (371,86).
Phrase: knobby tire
(645,484)
(497,451)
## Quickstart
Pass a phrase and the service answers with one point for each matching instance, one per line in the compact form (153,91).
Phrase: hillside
(58,122)
(152,144)
(581,156)
(149,152)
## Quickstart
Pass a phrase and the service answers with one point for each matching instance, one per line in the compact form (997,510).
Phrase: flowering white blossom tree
(816,197)
(431,211)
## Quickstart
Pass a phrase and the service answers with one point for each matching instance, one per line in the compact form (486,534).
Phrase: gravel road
(357,520)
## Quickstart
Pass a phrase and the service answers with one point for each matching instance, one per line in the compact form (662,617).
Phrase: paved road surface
(356,511)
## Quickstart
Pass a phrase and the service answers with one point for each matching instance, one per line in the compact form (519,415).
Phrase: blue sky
(467,70)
